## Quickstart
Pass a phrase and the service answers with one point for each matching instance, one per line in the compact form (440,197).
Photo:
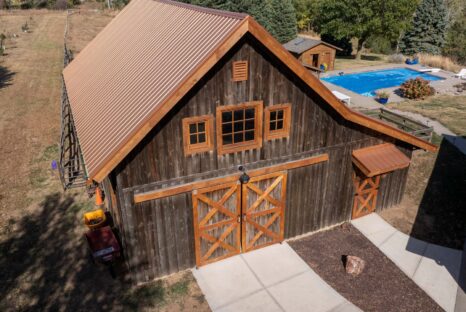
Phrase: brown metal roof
(379,159)
(133,65)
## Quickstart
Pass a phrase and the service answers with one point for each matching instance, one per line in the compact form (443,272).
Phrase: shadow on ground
(5,77)
(441,218)
(44,265)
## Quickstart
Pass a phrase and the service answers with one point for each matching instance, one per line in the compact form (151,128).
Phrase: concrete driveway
(274,278)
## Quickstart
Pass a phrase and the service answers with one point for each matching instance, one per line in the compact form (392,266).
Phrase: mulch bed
(382,286)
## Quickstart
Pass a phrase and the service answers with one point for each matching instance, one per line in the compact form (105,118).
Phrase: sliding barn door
(217,230)
(365,197)
(263,211)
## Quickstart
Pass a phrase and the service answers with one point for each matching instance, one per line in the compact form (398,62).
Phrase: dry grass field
(449,110)
(370,59)
(44,263)
(433,206)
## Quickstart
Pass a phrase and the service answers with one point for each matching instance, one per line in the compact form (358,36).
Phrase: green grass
(50,152)
(37,177)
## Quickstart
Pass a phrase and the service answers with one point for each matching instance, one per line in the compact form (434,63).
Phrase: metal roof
(144,54)
(379,159)
(300,44)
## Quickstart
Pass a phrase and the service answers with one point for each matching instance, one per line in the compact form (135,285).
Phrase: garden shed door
(365,196)
(232,218)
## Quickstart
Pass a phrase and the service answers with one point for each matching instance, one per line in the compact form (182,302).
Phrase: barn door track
(273,278)
(435,269)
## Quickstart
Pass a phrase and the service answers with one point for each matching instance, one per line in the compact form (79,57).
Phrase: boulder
(354,265)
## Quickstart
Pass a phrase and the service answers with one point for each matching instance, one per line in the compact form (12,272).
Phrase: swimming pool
(367,83)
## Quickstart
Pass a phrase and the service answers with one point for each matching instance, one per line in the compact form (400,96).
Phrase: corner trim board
(189,187)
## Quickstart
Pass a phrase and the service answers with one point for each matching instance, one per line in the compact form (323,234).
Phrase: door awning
(379,159)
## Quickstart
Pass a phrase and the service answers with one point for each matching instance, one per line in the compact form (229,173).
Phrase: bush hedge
(417,88)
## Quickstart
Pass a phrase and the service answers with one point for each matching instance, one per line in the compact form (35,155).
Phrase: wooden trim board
(189,187)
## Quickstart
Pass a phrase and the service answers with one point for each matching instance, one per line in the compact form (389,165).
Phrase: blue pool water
(367,83)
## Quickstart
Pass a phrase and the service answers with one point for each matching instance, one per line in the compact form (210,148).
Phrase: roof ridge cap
(193,7)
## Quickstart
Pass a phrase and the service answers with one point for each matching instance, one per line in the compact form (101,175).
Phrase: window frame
(281,133)
(206,146)
(246,145)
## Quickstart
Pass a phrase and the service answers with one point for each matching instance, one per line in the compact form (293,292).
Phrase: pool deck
(359,101)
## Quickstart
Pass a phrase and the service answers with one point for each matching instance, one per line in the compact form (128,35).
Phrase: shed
(209,139)
(313,52)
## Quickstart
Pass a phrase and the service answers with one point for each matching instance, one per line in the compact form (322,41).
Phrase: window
(198,134)
(240,71)
(277,121)
(239,127)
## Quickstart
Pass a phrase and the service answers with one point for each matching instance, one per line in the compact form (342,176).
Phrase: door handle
(244,217)
(239,219)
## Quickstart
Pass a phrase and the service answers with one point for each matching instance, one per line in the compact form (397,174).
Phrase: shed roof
(379,159)
(147,58)
(300,45)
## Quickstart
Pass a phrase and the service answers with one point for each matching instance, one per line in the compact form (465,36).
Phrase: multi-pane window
(239,127)
(198,134)
(277,121)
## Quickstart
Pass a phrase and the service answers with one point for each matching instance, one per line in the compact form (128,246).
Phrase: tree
(306,11)
(278,17)
(455,45)
(283,20)
(259,9)
(362,19)
(428,28)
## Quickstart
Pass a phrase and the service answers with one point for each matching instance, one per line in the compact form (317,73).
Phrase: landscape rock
(354,265)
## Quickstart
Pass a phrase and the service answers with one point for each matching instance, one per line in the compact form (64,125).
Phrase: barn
(209,139)
(313,52)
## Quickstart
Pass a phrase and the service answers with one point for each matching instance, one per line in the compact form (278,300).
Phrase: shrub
(382,95)
(439,61)
(396,58)
(25,27)
(416,89)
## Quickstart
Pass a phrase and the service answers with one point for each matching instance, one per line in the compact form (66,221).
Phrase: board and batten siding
(158,234)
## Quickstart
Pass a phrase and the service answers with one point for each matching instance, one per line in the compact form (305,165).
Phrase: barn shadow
(441,218)
(5,77)
(45,263)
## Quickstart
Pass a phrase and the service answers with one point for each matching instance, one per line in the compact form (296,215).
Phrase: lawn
(433,206)
(449,110)
(44,264)
(367,60)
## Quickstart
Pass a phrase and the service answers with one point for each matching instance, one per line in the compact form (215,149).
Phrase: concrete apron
(273,278)
(435,269)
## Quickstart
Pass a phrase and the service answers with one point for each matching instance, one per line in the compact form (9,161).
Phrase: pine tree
(455,45)
(258,9)
(427,31)
(283,20)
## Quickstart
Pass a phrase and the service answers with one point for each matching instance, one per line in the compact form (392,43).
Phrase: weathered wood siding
(326,55)
(159,234)
(315,125)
